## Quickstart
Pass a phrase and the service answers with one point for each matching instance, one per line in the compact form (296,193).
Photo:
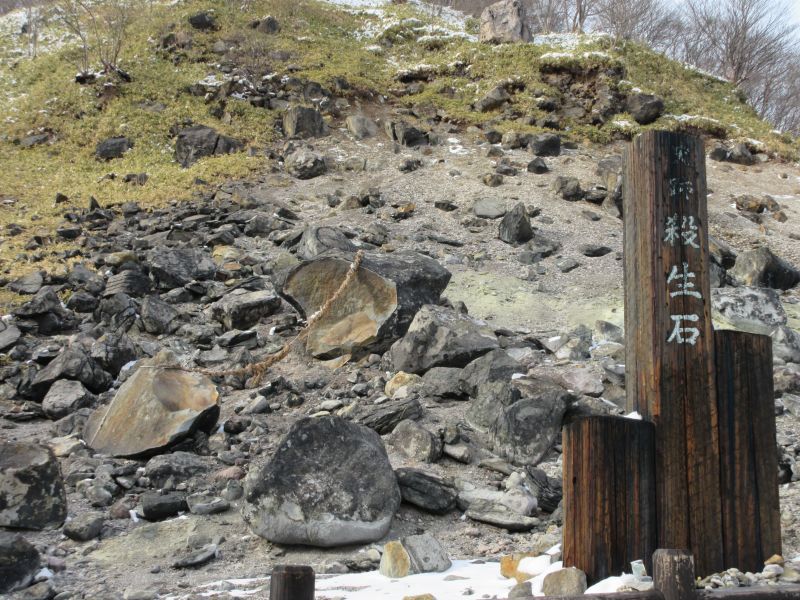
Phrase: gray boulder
(645,108)
(375,310)
(241,309)
(384,417)
(504,21)
(762,268)
(9,335)
(198,141)
(167,470)
(317,240)
(413,555)
(493,100)
(84,527)
(755,310)
(73,363)
(304,163)
(303,122)
(441,337)
(176,267)
(32,494)
(786,344)
(328,484)
(415,442)
(64,397)
(426,490)
(525,431)
(489,208)
(157,316)
(545,144)
(361,127)
(19,562)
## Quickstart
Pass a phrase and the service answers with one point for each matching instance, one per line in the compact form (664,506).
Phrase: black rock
(156,507)
(84,527)
(515,228)
(384,417)
(593,250)
(305,164)
(82,302)
(493,100)
(176,267)
(645,108)
(240,309)
(19,562)
(569,188)
(199,141)
(548,490)
(762,268)
(119,311)
(426,490)
(131,282)
(157,316)
(74,362)
(328,484)
(303,122)
(545,144)
(204,21)
(32,494)
(317,240)
(538,166)
(113,351)
(28,284)
(111,148)
(406,134)
(167,470)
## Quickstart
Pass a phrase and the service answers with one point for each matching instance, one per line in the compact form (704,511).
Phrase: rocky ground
(487,312)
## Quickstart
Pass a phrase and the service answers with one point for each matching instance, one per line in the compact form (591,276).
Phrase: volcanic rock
(32,494)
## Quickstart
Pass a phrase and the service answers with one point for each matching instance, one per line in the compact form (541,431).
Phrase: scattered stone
(416,442)
(240,309)
(515,228)
(413,555)
(19,562)
(206,504)
(304,163)
(493,100)
(426,490)
(538,166)
(84,527)
(329,483)
(593,250)
(504,21)
(9,335)
(111,148)
(545,144)
(489,208)
(64,397)
(565,265)
(72,363)
(303,122)
(176,267)
(156,506)
(441,337)
(502,517)
(361,127)
(32,494)
(762,268)
(166,470)
(204,21)
(569,188)
(755,310)
(157,316)
(27,284)
(199,141)
(644,108)
(155,407)
(197,558)
(564,582)
(384,417)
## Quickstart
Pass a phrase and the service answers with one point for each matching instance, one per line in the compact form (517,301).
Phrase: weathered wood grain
(673,574)
(669,382)
(609,495)
(748,449)
(292,582)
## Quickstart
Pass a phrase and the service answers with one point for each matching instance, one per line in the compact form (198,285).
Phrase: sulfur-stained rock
(154,408)
(32,494)
(413,555)
(375,309)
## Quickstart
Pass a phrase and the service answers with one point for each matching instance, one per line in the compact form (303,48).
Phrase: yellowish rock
(509,564)
(399,381)
(775,559)
(395,561)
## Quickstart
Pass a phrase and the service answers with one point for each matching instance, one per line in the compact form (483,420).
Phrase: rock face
(113,148)
(527,429)
(412,555)
(761,268)
(32,494)
(329,483)
(19,562)
(154,408)
(441,337)
(198,141)
(375,309)
(303,122)
(504,21)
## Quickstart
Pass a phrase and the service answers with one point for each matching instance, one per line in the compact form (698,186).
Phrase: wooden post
(609,495)
(748,449)
(291,582)
(673,574)
(669,340)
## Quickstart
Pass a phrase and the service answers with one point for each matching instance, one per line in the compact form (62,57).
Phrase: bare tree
(33,19)
(578,12)
(653,22)
(546,16)
(741,37)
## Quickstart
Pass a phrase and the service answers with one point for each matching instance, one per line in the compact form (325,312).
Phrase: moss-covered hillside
(396,56)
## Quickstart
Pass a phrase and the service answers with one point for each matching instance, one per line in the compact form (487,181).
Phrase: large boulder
(361,127)
(441,337)
(375,309)
(32,494)
(198,141)
(504,21)
(755,310)
(303,122)
(328,484)
(19,562)
(525,431)
(157,406)
(761,268)
(515,228)
(304,163)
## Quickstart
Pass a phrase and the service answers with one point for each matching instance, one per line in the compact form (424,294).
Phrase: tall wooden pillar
(669,339)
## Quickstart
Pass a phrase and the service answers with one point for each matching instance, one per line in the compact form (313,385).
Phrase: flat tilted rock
(154,408)
(328,484)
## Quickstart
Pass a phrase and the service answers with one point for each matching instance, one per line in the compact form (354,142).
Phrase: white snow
(634,415)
